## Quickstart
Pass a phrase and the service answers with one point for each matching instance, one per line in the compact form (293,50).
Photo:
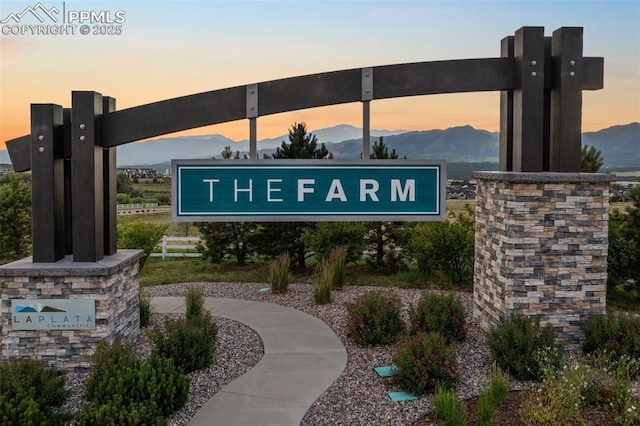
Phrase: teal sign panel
(308,190)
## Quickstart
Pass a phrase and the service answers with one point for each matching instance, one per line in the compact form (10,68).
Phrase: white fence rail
(170,245)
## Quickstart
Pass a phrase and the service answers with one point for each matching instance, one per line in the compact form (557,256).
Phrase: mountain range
(620,145)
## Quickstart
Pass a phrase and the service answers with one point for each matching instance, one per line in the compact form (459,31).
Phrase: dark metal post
(566,100)
(367,96)
(68,208)
(47,183)
(506,114)
(528,99)
(252,115)
(109,177)
(87,177)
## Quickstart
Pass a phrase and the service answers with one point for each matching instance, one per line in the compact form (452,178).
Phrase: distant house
(140,173)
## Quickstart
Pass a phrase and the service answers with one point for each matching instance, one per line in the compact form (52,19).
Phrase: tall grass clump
(439,313)
(322,283)
(374,319)
(194,303)
(493,392)
(337,260)
(515,342)
(146,310)
(448,408)
(279,273)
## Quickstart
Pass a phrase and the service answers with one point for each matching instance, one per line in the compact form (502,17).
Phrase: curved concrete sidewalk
(302,358)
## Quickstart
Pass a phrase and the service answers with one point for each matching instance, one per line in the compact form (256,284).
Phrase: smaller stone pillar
(112,283)
(541,248)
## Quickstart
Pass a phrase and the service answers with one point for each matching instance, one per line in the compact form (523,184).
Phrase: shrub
(123,384)
(21,409)
(145,310)
(45,385)
(279,273)
(322,283)
(438,313)
(336,261)
(613,333)
(424,361)
(194,303)
(190,343)
(115,413)
(448,408)
(374,319)
(516,340)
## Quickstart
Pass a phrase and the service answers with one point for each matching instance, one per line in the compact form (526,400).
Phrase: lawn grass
(623,300)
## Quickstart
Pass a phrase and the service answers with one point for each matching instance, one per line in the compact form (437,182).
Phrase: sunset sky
(175,48)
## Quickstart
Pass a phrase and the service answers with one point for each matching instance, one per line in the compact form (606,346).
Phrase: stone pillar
(112,283)
(541,248)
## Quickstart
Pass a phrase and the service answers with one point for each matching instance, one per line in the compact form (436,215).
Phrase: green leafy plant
(123,384)
(439,313)
(146,310)
(21,409)
(279,273)
(374,319)
(424,361)
(322,283)
(140,235)
(516,340)
(614,333)
(448,408)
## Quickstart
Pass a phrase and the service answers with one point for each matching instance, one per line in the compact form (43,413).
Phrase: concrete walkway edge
(302,358)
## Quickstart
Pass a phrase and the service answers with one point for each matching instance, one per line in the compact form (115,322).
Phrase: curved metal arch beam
(302,92)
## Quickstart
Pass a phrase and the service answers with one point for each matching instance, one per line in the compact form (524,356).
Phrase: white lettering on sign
(236,190)
(336,191)
(270,190)
(304,189)
(409,190)
(211,182)
(369,187)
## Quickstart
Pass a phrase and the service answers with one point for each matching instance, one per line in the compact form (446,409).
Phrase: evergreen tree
(301,145)
(590,159)
(226,153)
(15,217)
(381,152)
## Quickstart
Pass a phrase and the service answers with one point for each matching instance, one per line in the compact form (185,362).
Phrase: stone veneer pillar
(541,248)
(112,282)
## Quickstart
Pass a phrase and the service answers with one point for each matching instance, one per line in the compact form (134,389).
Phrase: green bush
(139,235)
(439,313)
(194,303)
(123,383)
(424,361)
(516,340)
(145,310)
(190,343)
(114,413)
(21,409)
(279,273)
(322,283)
(614,333)
(448,408)
(26,375)
(374,319)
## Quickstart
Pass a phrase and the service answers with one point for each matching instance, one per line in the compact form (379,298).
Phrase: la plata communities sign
(308,190)
(53,314)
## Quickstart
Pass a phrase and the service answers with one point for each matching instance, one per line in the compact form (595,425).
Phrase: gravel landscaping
(359,396)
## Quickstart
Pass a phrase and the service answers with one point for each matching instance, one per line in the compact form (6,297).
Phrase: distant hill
(620,145)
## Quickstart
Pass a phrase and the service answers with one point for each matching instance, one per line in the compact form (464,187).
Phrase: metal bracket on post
(252,115)
(528,100)
(367,96)
(506,114)
(566,100)
(47,183)
(86,177)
